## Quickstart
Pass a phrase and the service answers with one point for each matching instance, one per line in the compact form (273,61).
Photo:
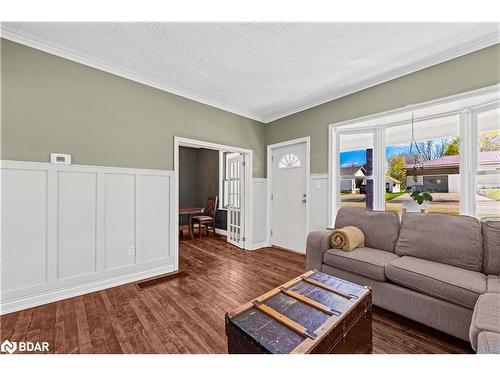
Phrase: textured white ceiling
(259,70)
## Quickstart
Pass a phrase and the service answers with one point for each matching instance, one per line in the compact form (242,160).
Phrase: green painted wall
(50,104)
(469,72)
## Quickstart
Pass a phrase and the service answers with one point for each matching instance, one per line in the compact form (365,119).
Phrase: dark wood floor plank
(47,324)
(82,327)
(125,346)
(11,324)
(159,335)
(167,325)
(67,336)
(186,314)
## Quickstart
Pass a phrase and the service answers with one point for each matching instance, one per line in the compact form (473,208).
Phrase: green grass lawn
(391,196)
(492,194)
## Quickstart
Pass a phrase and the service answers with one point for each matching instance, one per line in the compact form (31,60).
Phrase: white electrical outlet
(131,250)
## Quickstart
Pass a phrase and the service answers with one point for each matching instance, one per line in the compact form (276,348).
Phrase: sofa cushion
(452,284)
(490,230)
(493,284)
(488,343)
(486,316)
(364,261)
(381,228)
(453,240)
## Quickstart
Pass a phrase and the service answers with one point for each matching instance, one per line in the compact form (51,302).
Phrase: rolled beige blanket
(347,238)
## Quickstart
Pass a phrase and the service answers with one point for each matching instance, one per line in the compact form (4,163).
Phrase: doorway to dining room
(213,190)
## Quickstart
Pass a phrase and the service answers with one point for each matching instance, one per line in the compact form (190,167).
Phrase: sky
(358,157)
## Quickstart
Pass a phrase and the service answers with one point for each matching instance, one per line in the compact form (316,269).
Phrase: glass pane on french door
(235,204)
(487,195)
(356,170)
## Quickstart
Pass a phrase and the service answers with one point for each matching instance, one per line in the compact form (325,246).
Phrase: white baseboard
(253,247)
(57,295)
(259,245)
(222,232)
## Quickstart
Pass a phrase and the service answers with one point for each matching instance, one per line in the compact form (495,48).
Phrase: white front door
(235,205)
(288,197)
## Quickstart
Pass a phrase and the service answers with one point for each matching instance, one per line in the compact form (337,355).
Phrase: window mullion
(379,169)
(467,179)
(335,185)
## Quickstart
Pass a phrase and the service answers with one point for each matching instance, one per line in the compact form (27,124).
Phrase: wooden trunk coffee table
(313,313)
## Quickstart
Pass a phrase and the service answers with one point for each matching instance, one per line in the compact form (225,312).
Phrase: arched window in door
(289,161)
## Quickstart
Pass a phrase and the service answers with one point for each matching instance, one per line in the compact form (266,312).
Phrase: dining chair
(206,220)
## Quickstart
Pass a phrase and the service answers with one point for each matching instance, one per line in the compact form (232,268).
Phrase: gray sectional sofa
(439,270)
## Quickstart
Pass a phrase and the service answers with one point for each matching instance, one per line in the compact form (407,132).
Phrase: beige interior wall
(50,104)
(469,72)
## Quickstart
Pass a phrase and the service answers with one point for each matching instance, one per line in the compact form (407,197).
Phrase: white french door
(235,206)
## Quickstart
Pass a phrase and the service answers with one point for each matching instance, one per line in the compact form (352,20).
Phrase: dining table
(189,211)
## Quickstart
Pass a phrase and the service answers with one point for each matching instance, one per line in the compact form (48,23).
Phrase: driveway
(352,197)
(436,197)
(442,202)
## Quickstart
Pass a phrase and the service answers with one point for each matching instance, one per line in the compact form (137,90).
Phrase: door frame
(195,143)
(270,148)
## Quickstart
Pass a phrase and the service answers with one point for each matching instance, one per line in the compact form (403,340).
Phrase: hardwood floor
(186,314)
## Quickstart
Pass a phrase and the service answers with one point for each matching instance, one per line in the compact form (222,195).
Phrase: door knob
(304,200)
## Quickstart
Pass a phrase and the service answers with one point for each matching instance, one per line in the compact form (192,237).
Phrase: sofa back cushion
(453,240)
(381,228)
(490,229)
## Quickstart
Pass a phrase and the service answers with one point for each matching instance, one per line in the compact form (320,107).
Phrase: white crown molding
(449,54)
(22,38)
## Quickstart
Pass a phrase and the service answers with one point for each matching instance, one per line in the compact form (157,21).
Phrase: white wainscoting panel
(318,216)
(157,198)
(259,212)
(119,220)
(76,224)
(24,228)
(70,230)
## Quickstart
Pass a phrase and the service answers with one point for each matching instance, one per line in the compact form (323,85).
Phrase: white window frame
(474,147)
(469,146)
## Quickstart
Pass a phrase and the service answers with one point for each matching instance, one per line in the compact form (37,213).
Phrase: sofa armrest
(493,284)
(488,343)
(486,316)
(318,242)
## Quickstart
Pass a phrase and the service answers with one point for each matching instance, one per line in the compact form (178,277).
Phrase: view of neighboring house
(442,174)
(357,184)
(351,184)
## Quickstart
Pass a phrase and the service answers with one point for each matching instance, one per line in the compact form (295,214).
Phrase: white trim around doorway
(188,142)
(270,148)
